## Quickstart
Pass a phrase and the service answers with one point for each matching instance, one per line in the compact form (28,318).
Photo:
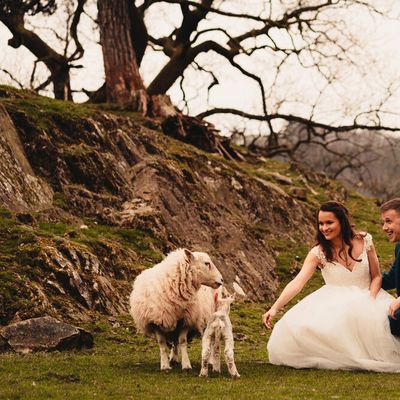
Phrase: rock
(237,288)
(298,193)
(43,334)
(20,188)
(25,218)
(4,346)
(236,185)
(161,106)
(285,180)
(272,186)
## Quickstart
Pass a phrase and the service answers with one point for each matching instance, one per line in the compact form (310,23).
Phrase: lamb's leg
(229,355)
(217,351)
(206,345)
(174,354)
(183,348)
(164,361)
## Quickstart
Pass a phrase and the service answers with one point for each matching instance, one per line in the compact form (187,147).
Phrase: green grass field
(125,365)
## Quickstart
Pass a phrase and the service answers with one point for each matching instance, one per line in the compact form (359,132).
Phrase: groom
(390,214)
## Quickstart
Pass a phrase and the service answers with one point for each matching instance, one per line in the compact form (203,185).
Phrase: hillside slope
(90,197)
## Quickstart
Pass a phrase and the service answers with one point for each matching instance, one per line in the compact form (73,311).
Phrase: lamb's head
(223,303)
(206,272)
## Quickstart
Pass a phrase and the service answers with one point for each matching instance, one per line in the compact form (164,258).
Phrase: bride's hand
(267,317)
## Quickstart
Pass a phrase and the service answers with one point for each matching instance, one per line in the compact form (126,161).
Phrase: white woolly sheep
(169,301)
(219,325)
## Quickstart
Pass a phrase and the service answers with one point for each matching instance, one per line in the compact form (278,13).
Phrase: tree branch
(79,51)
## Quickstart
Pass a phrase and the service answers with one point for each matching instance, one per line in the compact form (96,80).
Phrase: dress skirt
(337,327)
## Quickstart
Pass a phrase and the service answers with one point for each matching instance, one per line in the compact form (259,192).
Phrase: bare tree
(364,159)
(12,15)
(311,33)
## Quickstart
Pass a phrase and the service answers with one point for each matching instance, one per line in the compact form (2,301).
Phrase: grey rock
(43,334)
(20,188)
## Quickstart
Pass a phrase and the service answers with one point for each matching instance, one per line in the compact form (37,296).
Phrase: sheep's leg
(183,349)
(174,354)
(164,361)
(206,345)
(229,356)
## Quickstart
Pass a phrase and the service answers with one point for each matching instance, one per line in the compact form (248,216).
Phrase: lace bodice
(337,274)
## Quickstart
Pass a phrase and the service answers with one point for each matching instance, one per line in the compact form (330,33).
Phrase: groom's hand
(394,306)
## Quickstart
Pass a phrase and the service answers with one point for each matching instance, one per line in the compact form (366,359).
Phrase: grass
(125,365)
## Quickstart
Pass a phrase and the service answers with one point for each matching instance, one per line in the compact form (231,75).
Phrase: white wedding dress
(339,326)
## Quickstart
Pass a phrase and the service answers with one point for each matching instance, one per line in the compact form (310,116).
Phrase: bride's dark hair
(347,231)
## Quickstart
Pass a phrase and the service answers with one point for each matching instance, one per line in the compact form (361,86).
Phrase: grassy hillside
(125,365)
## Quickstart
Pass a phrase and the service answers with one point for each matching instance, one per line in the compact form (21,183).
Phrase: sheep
(219,325)
(174,299)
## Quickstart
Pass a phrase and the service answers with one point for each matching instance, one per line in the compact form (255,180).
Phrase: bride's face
(329,225)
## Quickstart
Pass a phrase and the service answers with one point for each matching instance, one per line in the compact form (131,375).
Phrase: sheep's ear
(189,255)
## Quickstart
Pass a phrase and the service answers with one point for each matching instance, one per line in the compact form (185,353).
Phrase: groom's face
(391,224)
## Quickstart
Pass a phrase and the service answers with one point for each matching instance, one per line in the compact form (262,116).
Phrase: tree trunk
(124,85)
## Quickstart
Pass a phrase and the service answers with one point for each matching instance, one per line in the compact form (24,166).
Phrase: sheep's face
(206,272)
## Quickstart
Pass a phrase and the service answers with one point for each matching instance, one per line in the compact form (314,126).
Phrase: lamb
(174,299)
(219,325)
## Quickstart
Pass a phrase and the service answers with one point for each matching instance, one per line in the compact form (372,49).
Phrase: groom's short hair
(393,204)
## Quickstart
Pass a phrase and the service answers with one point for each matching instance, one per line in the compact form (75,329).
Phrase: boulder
(20,188)
(43,334)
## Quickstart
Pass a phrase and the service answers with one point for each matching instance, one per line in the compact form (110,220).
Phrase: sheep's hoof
(187,369)
(203,375)
(166,369)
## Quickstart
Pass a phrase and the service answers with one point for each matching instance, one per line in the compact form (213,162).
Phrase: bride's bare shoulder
(361,235)
(360,238)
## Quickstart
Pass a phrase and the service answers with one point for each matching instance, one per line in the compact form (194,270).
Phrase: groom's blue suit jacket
(391,279)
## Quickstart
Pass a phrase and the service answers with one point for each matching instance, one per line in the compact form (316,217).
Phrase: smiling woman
(336,235)
(329,225)
(344,324)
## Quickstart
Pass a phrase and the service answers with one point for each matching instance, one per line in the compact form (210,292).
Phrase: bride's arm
(292,288)
(376,278)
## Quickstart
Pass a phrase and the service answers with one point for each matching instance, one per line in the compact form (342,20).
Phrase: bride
(344,324)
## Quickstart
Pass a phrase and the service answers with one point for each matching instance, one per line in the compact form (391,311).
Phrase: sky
(359,88)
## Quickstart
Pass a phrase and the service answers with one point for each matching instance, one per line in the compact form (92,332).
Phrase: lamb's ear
(189,256)
(215,297)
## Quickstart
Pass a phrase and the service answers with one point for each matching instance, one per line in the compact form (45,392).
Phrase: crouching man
(390,214)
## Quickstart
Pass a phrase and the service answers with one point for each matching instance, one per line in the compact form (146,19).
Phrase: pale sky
(358,89)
